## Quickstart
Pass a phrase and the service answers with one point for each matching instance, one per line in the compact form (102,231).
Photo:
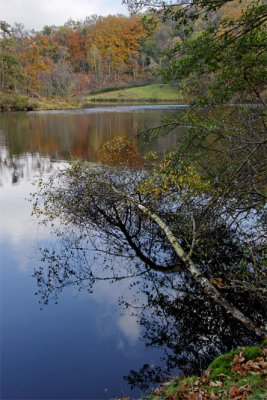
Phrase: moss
(252,352)
(222,364)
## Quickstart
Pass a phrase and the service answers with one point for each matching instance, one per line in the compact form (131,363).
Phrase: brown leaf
(246,389)
(236,359)
(234,390)
(206,374)
(206,377)
(187,396)
(237,368)
(258,359)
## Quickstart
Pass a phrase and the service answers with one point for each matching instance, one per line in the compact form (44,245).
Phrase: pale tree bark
(191,267)
(197,275)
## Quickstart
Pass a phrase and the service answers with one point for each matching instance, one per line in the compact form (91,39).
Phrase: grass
(240,374)
(148,93)
(15,101)
(55,104)
(118,87)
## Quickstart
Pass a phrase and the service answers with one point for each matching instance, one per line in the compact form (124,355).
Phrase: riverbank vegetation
(15,101)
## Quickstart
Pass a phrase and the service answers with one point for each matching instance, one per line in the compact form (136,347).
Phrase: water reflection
(173,313)
(174,310)
(59,135)
(68,350)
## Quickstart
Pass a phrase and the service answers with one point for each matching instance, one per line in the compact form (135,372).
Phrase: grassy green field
(149,93)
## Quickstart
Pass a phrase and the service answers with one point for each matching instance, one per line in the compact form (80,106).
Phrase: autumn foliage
(91,54)
(120,152)
(73,58)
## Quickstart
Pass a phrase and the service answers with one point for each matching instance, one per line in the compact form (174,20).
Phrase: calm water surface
(82,347)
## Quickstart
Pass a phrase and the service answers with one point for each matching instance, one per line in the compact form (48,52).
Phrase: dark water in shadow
(82,347)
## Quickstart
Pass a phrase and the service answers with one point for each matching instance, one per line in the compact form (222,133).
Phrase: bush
(16,102)
(119,151)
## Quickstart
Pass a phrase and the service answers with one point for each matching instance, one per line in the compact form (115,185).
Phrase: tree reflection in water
(175,314)
(190,328)
(107,238)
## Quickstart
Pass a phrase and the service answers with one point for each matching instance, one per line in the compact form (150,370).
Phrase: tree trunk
(196,273)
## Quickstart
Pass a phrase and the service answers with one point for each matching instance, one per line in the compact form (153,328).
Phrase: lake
(81,347)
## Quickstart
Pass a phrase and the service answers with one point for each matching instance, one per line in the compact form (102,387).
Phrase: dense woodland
(92,54)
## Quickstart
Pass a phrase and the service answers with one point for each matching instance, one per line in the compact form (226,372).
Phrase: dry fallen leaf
(258,359)
(246,389)
(234,391)
(236,359)
(216,384)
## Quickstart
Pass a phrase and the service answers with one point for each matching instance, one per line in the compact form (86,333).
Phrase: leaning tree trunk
(196,273)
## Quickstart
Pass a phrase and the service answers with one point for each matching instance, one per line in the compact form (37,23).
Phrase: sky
(35,14)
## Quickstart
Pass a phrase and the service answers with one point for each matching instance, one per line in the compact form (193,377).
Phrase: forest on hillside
(89,55)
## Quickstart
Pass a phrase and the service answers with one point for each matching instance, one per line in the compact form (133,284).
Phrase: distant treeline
(88,55)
